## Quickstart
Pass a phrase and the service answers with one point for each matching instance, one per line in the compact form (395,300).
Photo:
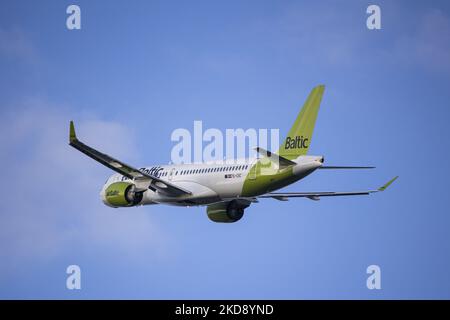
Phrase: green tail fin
(299,137)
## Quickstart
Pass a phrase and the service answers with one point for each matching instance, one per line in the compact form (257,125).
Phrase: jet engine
(231,211)
(122,194)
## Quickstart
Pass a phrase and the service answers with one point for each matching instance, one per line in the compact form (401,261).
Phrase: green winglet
(72,135)
(387,184)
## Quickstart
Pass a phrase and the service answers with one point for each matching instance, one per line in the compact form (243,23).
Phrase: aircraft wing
(142,180)
(317,195)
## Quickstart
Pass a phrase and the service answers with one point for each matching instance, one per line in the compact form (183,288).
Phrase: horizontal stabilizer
(283,162)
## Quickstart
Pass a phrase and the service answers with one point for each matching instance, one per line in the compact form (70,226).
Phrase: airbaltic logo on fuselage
(156,171)
(153,171)
(296,143)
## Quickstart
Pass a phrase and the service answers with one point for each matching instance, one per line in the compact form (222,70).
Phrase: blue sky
(137,71)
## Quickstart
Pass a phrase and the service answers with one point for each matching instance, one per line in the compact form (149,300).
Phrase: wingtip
(384,187)
(72,134)
(320,87)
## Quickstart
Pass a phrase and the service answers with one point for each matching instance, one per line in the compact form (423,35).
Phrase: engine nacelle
(122,194)
(227,211)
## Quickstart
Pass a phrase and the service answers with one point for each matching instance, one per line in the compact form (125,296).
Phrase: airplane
(225,189)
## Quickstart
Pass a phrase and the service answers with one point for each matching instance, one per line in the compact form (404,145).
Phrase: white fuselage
(207,182)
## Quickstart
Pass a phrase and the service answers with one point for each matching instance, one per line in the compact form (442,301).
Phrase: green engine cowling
(227,212)
(122,194)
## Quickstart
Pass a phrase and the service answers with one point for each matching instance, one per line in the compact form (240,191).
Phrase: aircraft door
(171,172)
